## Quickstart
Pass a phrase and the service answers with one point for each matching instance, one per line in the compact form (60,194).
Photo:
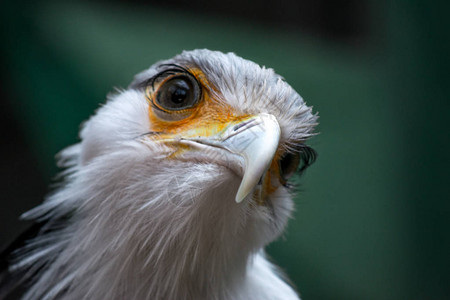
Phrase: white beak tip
(255,141)
(240,197)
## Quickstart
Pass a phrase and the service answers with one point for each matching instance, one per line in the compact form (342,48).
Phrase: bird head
(204,134)
(187,168)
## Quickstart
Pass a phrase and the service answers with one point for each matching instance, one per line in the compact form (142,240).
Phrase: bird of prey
(178,183)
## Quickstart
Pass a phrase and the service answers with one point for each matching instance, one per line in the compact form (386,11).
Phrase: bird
(177,184)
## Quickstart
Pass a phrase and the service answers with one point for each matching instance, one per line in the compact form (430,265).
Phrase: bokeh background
(372,220)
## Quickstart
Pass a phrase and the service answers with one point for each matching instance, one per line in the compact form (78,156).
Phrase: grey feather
(146,227)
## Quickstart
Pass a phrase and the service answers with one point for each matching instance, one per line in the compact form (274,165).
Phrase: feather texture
(142,226)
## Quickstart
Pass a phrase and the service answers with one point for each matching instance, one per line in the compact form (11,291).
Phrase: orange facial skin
(207,117)
(271,180)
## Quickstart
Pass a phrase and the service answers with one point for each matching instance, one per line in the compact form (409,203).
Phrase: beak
(249,145)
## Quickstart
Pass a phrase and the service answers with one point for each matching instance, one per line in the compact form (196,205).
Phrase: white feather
(144,227)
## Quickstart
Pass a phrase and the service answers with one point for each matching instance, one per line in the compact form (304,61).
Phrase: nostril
(240,125)
(260,180)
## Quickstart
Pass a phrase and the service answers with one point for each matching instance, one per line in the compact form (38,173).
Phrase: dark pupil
(289,164)
(178,92)
(286,163)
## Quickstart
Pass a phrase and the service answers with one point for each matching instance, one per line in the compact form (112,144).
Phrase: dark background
(372,221)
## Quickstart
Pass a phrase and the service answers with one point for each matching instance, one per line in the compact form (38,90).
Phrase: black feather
(11,283)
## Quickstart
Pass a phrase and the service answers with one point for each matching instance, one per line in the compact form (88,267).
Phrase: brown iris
(177,93)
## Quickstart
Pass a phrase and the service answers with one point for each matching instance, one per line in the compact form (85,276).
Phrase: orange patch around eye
(274,169)
(208,117)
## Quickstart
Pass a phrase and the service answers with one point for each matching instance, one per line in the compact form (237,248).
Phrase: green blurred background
(372,220)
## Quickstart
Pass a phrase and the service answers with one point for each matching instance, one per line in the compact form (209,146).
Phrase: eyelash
(176,69)
(307,157)
(152,86)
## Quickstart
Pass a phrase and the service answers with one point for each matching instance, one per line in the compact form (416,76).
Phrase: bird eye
(297,162)
(178,93)
(288,163)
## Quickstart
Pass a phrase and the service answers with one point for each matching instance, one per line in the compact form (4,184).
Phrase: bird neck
(202,254)
(183,250)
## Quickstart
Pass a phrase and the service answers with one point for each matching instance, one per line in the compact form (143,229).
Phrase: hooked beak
(249,145)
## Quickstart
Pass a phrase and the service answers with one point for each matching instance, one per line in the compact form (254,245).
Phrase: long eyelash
(173,68)
(169,71)
(307,157)
(164,73)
